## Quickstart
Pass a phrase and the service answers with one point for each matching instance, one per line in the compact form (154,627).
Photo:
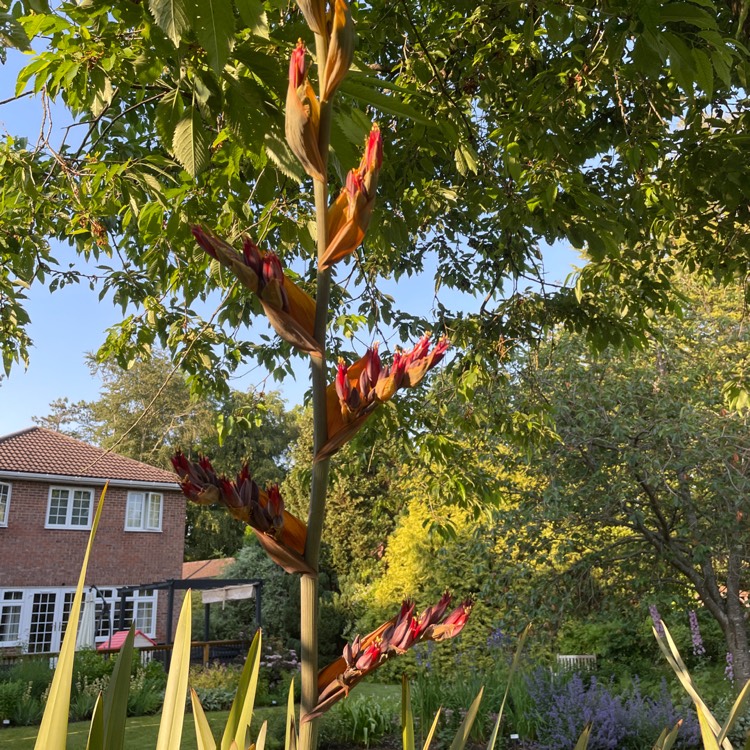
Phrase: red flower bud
(373,158)
(368,657)
(272,269)
(343,388)
(275,505)
(204,241)
(297,66)
(252,256)
(370,371)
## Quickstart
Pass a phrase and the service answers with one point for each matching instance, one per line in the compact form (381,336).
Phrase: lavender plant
(561,709)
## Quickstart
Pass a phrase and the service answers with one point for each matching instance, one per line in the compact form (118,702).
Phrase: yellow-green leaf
(583,740)
(95,740)
(242,706)
(431,733)
(462,736)
(736,711)
(116,696)
(407,718)
(511,672)
(291,722)
(53,730)
(203,736)
(707,735)
(260,743)
(173,710)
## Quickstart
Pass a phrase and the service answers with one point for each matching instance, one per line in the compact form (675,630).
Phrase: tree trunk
(736,627)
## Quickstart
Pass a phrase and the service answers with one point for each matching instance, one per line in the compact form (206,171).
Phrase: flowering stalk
(360,388)
(289,309)
(392,638)
(695,632)
(319,481)
(280,533)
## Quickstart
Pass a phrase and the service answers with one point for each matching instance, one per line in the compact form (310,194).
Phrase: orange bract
(289,309)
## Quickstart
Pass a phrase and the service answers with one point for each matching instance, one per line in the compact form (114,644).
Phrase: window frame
(6,490)
(7,605)
(145,511)
(68,525)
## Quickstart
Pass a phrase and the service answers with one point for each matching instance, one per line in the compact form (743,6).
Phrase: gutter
(96,481)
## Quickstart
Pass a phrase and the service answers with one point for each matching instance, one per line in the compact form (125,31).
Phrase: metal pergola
(199,584)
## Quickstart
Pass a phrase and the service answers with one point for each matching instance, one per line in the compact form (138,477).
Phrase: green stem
(319,484)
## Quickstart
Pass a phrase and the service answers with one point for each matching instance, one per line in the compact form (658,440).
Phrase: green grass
(141,731)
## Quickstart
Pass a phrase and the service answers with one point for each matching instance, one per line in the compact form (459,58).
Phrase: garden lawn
(141,731)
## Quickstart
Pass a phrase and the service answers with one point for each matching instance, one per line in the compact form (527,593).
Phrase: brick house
(50,484)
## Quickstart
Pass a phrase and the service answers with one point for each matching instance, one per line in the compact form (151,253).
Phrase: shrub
(359,721)
(146,695)
(28,710)
(10,694)
(91,665)
(34,672)
(216,675)
(215,698)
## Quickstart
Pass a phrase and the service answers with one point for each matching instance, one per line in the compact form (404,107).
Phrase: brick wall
(32,556)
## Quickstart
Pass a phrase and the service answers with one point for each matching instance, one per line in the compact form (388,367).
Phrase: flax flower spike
(349,216)
(358,389)
(302,116)
(340,49)
(280,533)
(392,638)
(290,310)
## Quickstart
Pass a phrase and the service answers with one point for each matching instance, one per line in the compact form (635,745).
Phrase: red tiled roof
(205,568)
(116,641)
(38,450)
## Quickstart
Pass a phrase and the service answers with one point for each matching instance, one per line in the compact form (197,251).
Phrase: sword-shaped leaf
(511,672)
(53,731)
(462,736)
(115,702)
(583,740)
(203,735)
(173,710)
(242,706)
(95,739)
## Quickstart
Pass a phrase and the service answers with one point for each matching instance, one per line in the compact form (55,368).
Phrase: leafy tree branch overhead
(617,128)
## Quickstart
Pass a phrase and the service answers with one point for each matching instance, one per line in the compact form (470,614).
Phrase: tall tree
(646,443)
(617,128)
(147,413)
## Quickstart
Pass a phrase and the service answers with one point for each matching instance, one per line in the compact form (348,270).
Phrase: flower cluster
(349,216)
(394,637)
(280,533)
(729,669)
(302,113)
(359,388)
(656,619)
(289,310)
(698,648)
(303,116)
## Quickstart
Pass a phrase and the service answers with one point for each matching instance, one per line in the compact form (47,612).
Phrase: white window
(143,512)
(11,604)
(69,508)
(140,608)
(145,609)
(4,503)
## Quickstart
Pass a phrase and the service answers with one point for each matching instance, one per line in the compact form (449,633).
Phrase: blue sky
(72,321)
